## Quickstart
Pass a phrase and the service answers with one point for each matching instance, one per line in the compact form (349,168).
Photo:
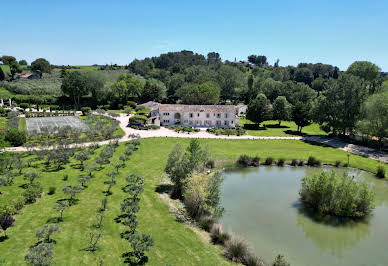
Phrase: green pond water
(262,205)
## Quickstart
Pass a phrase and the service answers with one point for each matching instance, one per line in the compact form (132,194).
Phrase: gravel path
(164,132)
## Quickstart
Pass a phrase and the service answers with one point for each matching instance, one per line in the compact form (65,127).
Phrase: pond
(262,205)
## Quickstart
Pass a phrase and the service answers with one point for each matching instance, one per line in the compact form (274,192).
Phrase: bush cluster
(246,160)
(183,129)
(311,161)
(238,131)
(380,173)
(330,194)
(145,127)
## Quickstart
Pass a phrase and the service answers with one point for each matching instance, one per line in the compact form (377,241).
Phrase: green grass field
(5,94)
(175,244)
(272,130)
(22,124)
(3,123)
(5,68)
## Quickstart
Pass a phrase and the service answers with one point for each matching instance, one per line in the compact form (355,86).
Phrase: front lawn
(288,128)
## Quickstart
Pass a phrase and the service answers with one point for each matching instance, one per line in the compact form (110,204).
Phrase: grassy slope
(313,129)
(22,124)
(174,243)
(3,123)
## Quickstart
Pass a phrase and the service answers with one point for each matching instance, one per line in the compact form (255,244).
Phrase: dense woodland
(340,101)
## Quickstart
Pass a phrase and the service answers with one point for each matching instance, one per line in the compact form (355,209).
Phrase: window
(207,115)
(190,122)
(166,121)
(198,114)
(226,123)
(191,115)
(166,113)
(218,115)
(218,123)
(231,122)
(187,121)
(226,115)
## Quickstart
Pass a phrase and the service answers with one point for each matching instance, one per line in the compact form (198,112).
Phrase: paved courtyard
(35,124)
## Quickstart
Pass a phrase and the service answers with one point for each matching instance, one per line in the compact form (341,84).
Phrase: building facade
(197,115)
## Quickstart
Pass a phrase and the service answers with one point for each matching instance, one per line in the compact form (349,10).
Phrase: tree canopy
(205,93)
(41,66)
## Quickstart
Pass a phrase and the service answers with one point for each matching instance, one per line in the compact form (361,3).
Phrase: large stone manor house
(192,115)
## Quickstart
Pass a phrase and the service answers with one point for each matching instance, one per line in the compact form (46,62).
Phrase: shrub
(18,203)
(52,190)
(244,160)
(65,177)
(268,161)
(311,161)
(280,261)
(380,171)
(86,110)
(217,235)
(236,249)
(336,195)
(280,162)
(294,162)
(301,163)
(131,104)
(206,222)
(255,161)
(138,119)
(337,163)
(32,192)
(346,165)
(252,260)
(210,164)
(15,137)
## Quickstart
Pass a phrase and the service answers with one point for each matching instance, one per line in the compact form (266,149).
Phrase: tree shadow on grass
(3,238)
(164,188)
(129,259)
(254,127)
(168,189)
(295,132)
(52,169)
(316,143)
(107,193)
(24,186)
(119,218)
(276,126)
(54,220)
(89,249)
(71,202)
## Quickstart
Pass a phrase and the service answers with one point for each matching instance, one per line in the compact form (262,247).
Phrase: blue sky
(87,32)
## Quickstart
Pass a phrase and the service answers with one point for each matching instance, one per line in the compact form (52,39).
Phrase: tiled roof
(197,108)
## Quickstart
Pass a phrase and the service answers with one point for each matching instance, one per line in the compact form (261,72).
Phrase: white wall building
(197,115)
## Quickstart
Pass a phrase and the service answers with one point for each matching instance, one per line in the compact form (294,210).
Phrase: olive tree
(60,207)
(46,231)
(41,255)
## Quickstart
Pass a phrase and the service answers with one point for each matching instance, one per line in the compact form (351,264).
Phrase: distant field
(288,129)
(5,68)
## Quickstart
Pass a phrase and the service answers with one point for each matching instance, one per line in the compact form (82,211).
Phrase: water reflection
(331,236)
(262,205)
